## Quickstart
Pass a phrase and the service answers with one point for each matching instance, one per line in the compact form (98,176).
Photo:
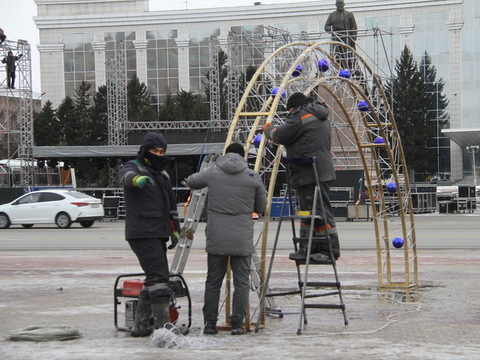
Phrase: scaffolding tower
(116,73)
(17,123)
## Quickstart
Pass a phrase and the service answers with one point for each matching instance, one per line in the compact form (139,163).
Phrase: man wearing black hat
(151,218)
(306,133)
(234,193)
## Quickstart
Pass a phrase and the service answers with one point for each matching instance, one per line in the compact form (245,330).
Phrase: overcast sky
(16,19)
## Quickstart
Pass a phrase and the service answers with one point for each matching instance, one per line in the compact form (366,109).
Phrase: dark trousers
(305,201)
(217,267)
(152,256)
(11,79)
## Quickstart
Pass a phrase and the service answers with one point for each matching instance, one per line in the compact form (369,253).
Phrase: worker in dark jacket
(10,60)
(234,193)
(306,134)
(151,218)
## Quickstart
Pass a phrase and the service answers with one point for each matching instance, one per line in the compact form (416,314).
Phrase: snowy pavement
(438,320)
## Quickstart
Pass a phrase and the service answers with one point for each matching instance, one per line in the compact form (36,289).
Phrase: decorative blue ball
(379,140)
(323,65)
(397,242)
(392,188)
(344,73)
(363,106)
(256,140)
(297,71)
(275,91)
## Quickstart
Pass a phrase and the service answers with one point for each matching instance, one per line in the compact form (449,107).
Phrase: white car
(60,207)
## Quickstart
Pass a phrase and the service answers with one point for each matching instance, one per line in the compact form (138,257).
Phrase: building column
(99,48)
(183,63)
(51,60)
(456,153)
(141,53)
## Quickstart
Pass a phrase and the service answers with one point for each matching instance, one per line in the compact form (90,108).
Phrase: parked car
(60,207)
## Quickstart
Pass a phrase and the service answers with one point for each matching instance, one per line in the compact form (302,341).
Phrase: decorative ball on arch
(344,73)
(323,65)
(363,106)
(297,71)
(379,140)
(275,92)
(397,242)
(392,187)
(256,140)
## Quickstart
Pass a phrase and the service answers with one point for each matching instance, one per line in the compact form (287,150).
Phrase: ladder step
(301,217)
(324,306)
(311,296)
(324,284)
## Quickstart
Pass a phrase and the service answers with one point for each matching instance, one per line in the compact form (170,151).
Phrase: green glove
(142,181)
(174,239)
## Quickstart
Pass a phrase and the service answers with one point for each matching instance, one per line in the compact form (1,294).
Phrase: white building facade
(169,50)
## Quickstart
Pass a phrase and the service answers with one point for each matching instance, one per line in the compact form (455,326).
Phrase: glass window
(162,64)
(111,39)
(78,61)
(50,197)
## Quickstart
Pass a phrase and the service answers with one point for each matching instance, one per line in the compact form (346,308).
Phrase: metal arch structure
(364,136)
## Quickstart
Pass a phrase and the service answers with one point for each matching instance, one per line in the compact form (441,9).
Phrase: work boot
(301,254)
(320,258)
(143,312)
(237,328)
(210,329)
(161,312)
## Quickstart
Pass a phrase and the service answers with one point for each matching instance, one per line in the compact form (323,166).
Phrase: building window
(79,61)
(199,60)
(162,65)
(128,37)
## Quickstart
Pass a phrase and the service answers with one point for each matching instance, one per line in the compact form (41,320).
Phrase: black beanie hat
(235,148)
(295,100)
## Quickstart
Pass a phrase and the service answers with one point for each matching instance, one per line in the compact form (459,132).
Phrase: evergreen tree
(410,105)
(46,127)
(138,102)
(100,116)
(187,102)
(169,110)
(67,118)
(437,115)
(85,127)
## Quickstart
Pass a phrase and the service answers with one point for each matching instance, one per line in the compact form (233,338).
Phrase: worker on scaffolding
(10,60)
(306,134)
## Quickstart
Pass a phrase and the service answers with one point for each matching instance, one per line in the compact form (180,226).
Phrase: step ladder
(304,283)
(186,236)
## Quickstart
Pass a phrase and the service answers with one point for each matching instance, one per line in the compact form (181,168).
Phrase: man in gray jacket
(305,134)
(234,193)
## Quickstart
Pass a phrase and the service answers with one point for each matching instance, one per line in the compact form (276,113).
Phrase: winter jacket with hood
(150,210)
(234,192)
(306,133)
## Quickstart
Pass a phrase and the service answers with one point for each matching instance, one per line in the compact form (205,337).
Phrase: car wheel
(4,221)
(87,223)
(27,226)
(63,221)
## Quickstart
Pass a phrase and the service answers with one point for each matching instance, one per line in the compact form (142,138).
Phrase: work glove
(173,239)
(266,126)
(142,181)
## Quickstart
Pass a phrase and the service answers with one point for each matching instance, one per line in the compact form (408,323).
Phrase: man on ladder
(306,133)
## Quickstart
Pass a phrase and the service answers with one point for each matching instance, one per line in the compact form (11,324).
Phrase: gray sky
(16,19)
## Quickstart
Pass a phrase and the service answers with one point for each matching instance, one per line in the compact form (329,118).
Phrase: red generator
(127,289)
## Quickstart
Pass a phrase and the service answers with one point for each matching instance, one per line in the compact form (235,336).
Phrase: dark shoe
(301,254)
(210,329)
(239,331)
(320,258)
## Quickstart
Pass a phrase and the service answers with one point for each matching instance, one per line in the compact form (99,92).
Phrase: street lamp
(473,150)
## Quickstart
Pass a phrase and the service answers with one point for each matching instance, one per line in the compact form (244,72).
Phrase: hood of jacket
(320,110)
(232,163)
